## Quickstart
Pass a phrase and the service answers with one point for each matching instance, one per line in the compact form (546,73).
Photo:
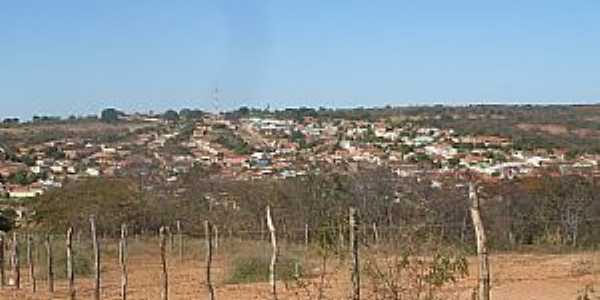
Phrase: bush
(82,260)
(82,263)
(410,276)
(256,269)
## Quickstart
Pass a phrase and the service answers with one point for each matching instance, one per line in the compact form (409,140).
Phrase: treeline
(561,211)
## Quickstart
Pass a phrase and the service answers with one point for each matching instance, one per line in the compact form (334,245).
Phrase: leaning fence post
(70,271)
(123,260)
(2,274)
(15,261)
(96,249)
(272,274)
(209,247)
(30,262)
(50,263)
(164,281)
(484,274)
(354,248)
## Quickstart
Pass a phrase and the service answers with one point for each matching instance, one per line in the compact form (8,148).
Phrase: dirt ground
(514,276)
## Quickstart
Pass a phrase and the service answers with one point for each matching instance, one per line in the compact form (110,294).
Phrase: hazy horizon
(272,108)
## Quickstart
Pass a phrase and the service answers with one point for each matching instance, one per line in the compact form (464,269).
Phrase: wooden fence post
(171,241)
(164,280)
(306,237)
(484,275)
(375,234)
(180,240)
(70,271)
(30,262)
(15,261)
(50,263)
(216,239)
(354,248)
(123,260)
(2,274)
(341,240)
(209,247)
(272,273)
(96,248)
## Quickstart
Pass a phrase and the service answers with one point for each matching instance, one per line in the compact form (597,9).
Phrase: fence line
(357,234)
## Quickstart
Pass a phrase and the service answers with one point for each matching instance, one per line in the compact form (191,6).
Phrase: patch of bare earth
(548,128)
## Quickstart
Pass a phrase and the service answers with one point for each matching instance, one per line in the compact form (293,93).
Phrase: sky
(76,57)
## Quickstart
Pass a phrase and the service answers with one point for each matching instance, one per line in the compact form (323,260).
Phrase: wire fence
(39,263)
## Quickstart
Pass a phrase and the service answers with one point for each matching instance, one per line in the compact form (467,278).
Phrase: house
(35,169)
(93,172)
(15,191)
(8,168)
(57,169)
(235,160)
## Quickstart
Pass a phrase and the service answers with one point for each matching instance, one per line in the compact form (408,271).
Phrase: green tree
(112,201)
(7,219)
(20,177)
(171,115)
(110,115)
(189,114)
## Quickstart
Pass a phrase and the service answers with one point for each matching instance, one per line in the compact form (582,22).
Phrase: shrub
(251,269)
(82,263)
(409,276)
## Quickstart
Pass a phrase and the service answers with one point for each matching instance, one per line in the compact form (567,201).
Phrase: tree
(110,115)
(7,219)
(244,111)
(171,115)
(191,114)
(10,121)
(113,201)
(298,137)
(20,177)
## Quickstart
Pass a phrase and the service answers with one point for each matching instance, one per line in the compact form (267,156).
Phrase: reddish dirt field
(514,276)
(548,128)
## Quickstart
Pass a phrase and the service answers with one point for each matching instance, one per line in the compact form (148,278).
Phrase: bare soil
(548,128)
(514,276)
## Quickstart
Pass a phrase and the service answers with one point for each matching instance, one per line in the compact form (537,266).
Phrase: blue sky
(77,57)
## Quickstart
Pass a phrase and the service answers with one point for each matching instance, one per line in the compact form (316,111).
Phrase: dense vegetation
(558,211)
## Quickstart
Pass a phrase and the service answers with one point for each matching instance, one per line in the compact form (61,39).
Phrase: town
(253,144)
